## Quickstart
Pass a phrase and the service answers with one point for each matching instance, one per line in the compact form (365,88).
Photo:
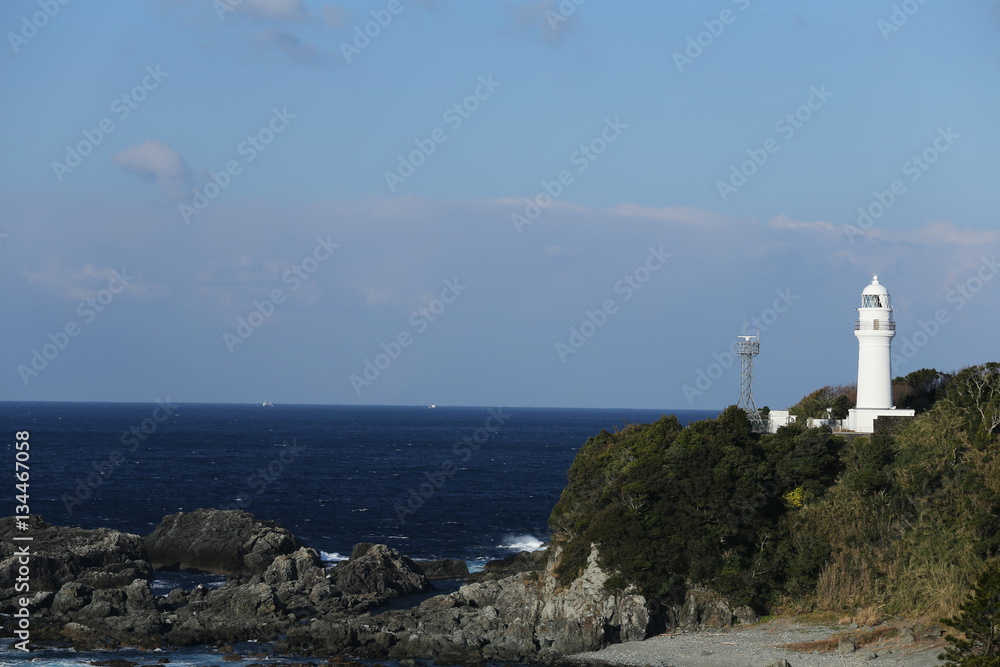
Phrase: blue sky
(518,203)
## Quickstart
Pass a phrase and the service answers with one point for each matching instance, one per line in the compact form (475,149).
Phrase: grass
(829,645)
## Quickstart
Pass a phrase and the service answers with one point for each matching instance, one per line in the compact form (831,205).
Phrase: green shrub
(704,504)
(979,623)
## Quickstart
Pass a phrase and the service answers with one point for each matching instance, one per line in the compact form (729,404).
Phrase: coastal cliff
(659,528)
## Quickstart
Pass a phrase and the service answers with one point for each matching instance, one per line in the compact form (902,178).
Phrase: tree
(869,466)
(979,623)
(921,389)
(975,393)
(841,407)
(840,399)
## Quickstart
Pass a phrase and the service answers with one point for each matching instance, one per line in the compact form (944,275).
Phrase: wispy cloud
(153,161)
(945,231)
(336,16)
(271,10)
(80,284)
(686,215)
(291,46)
(543,20)
(784,222)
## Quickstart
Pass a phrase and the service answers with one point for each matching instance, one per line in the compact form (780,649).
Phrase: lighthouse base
(862,420)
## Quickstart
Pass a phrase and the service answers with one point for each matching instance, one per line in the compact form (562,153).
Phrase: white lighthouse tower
(874,329)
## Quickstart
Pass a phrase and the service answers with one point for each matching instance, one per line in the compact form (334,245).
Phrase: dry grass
(868,616)
(830,644)
(851,580)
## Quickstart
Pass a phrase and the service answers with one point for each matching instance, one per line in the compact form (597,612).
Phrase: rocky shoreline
(91,588)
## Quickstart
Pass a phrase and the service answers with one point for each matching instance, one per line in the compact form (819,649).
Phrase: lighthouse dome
(875,295)
(876,287)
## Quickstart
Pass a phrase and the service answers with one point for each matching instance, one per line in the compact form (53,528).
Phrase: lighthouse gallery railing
(875,325)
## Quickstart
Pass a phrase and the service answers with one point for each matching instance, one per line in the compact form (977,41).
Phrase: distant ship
(265,404)
(431,406)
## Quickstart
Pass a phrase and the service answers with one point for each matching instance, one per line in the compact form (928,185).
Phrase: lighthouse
(874,330)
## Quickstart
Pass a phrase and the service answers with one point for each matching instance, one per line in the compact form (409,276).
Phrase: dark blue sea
(443,482)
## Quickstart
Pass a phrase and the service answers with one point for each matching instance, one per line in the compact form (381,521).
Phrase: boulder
(301,582)
(445,568)
(381,572)
(230,542)
(138,597)
(304,566)
(85,637)
(71,598)
(360,549)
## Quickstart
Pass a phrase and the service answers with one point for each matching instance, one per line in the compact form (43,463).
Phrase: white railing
(875,325)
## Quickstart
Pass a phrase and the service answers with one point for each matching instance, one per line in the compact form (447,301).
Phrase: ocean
(433,482)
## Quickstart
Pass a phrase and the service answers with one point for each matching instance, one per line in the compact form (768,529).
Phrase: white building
(874,329)
(779,418)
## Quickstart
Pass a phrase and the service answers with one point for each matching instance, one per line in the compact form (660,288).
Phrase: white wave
(331,557)
(522,543)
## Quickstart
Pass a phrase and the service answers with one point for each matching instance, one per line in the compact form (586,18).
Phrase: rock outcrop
(101,558)
(381,572)
(445,568)
(294,588)
(105,618)
(525,617)
(230,542)
(704,608)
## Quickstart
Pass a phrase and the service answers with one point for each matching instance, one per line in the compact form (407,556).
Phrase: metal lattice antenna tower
(747,347)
